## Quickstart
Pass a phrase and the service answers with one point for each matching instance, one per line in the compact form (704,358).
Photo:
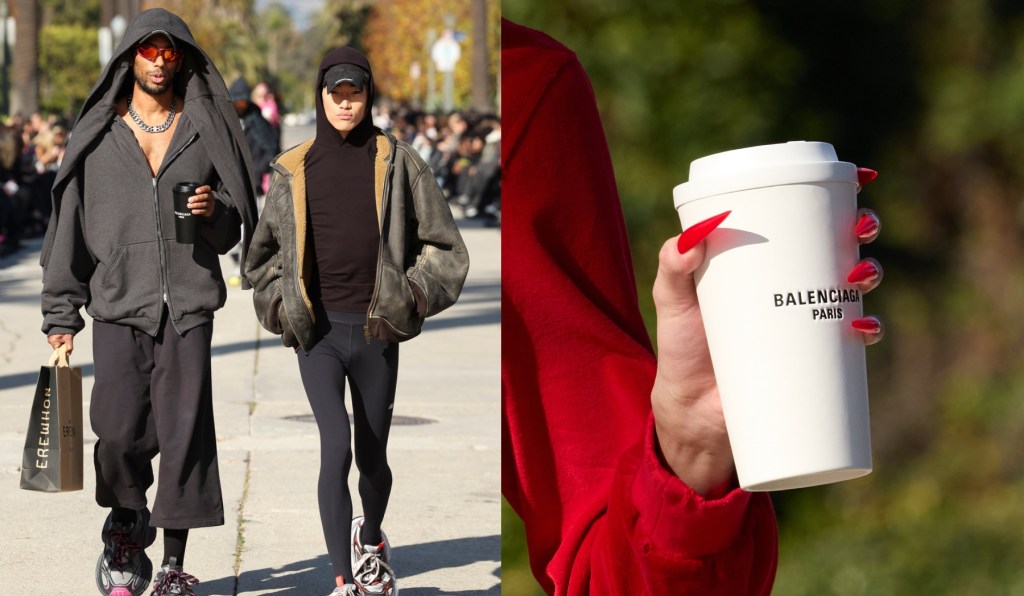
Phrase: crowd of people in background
(31,149)
(462,149)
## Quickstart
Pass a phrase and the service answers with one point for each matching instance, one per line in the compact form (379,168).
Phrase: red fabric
(602,513)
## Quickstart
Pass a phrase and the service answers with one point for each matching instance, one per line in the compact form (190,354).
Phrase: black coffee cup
(184,222)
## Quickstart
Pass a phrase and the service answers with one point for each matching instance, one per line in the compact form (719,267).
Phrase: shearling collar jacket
(422,262)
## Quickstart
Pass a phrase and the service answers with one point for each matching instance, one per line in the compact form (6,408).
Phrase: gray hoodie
(110,245)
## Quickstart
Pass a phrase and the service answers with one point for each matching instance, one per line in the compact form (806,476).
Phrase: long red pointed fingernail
(865,175)
(868,225)
(867,325)
(864,271)
(699,231)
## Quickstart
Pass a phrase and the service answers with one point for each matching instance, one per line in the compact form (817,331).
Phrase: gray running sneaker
(346,590)
(123,568)
(171,580)
(371,567)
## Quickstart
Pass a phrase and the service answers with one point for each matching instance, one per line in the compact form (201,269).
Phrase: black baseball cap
(345,73)
(170,37)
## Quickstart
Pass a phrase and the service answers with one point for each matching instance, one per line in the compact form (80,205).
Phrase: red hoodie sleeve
(603,515)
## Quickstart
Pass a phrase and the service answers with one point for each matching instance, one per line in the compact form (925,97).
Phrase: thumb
(683,358)
(674,288)
(678,259)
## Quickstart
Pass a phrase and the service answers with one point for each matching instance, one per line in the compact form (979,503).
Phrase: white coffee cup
(777,310)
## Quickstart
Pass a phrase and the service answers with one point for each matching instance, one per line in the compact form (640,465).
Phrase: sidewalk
(444,515)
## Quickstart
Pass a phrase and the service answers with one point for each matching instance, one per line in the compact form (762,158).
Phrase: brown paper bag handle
(60,356)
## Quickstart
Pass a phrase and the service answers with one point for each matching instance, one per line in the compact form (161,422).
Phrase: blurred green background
(930,94)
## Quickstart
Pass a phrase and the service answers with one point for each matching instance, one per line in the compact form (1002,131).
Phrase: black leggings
(372,373)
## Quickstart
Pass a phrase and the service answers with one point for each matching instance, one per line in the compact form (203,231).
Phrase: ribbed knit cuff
(674,518)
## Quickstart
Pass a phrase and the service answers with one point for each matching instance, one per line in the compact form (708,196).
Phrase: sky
(301,10)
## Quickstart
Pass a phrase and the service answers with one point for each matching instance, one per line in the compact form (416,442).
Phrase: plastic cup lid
(794,162)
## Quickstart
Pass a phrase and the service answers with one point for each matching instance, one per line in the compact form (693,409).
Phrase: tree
(225,30)
(292,55)
(277,34)
(69,12)
(25,71)
(69,65)
(344,21)
(398,32)
(108,9)
(480,97)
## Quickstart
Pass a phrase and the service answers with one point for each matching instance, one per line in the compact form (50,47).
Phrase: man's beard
(143,82)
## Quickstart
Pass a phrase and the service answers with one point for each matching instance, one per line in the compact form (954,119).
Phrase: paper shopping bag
(52,461)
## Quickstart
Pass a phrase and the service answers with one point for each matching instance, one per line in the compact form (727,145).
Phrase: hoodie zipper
(380,246)
(159,229)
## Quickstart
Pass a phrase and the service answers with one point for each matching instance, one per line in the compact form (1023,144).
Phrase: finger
(198,206)
(866,275)
(868,226)
(684,368)
(871,329)
(682,347)
(678,259)
(202,190)
(673,286)
(699,231)
(56,341)
(865,176)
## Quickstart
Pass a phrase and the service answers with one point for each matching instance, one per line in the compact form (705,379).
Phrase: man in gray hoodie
(159,115)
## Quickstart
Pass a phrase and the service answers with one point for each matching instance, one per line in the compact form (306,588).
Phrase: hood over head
(207,104)
(325,133)
(240,90)
(196,77)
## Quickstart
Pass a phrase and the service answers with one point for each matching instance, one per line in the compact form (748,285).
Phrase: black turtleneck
(342,203)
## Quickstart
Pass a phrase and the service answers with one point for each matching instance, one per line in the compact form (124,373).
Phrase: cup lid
(794,162)
(186,186)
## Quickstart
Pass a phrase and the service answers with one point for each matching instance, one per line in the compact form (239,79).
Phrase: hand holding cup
(202,203)
(689,419)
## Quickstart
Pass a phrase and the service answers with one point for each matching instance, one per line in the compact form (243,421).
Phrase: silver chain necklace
(146,127)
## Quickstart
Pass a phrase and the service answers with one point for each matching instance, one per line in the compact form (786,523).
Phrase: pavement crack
(240,537)
(11,348)
(255,374)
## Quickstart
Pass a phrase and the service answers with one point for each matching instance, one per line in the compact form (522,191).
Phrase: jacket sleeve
(223,229)
(442,262)
(69,267)
(263,267)
(672,540)
(602,514)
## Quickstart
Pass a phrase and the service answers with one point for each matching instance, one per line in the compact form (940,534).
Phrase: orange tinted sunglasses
(151,52)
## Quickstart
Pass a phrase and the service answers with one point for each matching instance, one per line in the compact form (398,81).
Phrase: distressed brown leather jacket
(422,263)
